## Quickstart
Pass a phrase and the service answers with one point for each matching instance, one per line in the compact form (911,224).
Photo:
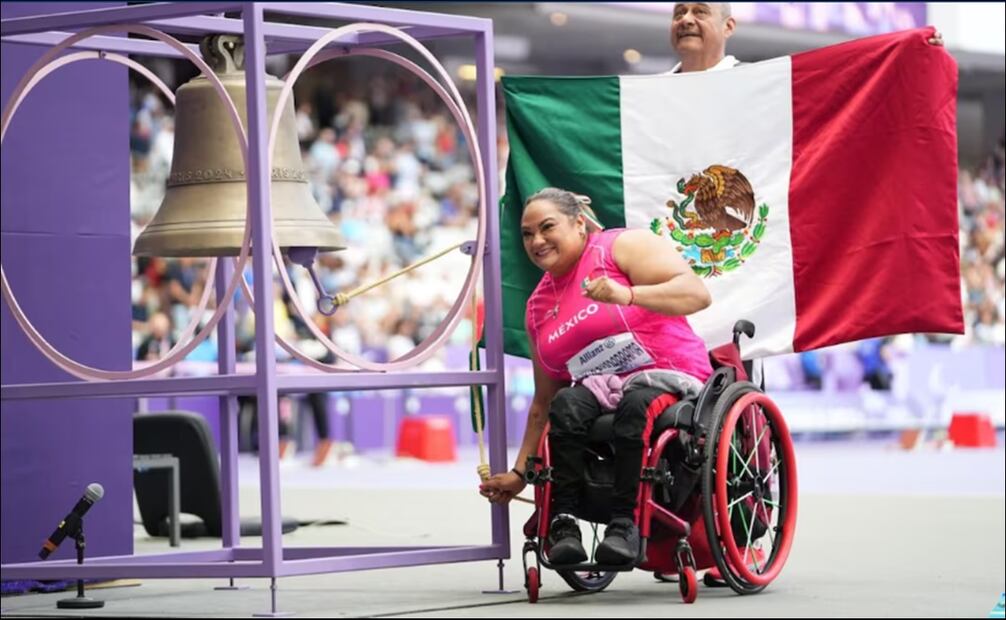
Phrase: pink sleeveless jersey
(668,342)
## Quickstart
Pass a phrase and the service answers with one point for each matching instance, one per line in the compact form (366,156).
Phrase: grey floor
(881,533)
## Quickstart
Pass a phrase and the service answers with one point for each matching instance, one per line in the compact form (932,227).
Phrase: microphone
(71,523)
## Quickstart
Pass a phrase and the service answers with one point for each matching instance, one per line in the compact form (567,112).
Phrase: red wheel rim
(688,585)
(533,583)
(762,575)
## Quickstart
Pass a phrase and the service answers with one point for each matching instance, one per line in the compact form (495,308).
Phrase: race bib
(614,355)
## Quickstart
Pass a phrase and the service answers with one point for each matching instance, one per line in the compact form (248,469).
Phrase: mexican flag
(815,194)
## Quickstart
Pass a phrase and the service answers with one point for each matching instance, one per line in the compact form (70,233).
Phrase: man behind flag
(814,193)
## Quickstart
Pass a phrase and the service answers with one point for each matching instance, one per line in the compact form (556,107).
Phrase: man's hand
(606,290)
(936,39)
(502,488)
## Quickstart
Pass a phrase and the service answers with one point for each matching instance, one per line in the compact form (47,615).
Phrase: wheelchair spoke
(747,545)
(771,472)
(754,452)
(593,542)
(744,464)
(735,458)
(740,499)
(754,557)
(768,530)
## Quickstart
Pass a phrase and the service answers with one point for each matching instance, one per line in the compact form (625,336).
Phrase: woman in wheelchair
(607,330)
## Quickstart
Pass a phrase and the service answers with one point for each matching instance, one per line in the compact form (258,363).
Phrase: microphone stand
(80,601)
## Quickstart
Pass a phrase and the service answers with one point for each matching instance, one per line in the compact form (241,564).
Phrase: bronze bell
(206,202)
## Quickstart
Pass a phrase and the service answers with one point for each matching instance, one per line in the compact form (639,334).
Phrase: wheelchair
(718,488)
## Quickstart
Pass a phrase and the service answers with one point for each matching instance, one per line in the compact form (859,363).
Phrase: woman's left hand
(606,290)
(502,488)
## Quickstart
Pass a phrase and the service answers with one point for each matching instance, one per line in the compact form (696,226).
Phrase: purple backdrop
(854,18)
(65,246)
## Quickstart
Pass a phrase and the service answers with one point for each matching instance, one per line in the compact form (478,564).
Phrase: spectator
(159,339)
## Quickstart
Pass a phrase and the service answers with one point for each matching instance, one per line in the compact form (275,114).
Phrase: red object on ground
(429,438)
(972,430)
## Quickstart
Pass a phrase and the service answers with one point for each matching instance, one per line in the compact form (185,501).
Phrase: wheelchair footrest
(593,567)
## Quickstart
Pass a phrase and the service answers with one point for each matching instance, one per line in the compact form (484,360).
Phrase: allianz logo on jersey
(582,315)
(1000,609)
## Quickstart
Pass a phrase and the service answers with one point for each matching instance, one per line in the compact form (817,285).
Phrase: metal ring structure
(190,329)
(316,55)
(49,62)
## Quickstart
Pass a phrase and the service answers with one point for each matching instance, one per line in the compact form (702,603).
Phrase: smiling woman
(549,236)
(611,303)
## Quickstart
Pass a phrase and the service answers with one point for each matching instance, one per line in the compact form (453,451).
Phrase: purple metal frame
(272,559)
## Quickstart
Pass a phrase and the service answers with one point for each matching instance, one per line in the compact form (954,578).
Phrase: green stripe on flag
(566,133)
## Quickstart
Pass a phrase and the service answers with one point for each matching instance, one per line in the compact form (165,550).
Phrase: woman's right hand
(502,488)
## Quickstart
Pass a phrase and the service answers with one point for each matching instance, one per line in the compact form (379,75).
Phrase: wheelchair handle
(743,327)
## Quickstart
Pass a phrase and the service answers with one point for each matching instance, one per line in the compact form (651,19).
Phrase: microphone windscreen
(94,492)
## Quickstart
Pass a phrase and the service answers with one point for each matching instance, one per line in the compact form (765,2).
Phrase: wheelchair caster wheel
(533,584)
(688,585)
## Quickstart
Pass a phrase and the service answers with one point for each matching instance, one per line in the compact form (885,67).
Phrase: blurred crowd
(390,168)
(981,199)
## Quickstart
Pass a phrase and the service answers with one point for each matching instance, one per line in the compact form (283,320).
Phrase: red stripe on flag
(873,190)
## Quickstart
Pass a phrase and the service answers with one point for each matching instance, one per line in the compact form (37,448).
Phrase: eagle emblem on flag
(721,231)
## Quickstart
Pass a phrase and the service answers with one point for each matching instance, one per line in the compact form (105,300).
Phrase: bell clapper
(326,304)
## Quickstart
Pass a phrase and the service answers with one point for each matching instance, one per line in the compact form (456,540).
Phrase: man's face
(699,28)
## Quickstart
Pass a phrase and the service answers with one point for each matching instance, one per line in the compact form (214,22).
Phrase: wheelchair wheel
(749,489)
(688,585)
(533,584)
(593,581)
(588,581)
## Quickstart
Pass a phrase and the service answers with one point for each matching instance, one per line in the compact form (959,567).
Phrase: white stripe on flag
(675,126)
